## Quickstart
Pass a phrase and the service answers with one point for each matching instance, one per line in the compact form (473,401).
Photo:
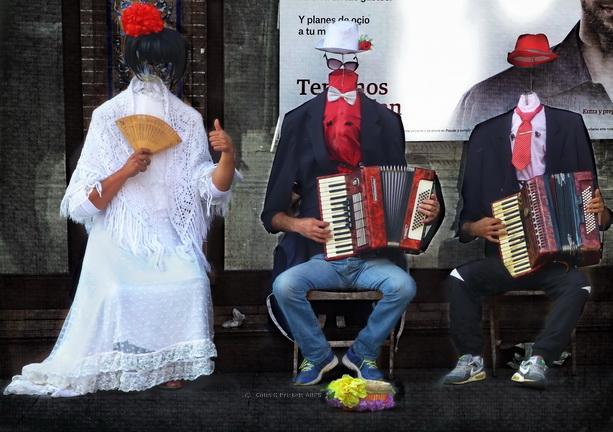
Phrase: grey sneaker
(467,370)
(531,373)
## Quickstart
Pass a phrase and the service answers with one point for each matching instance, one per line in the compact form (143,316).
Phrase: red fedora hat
(531,50)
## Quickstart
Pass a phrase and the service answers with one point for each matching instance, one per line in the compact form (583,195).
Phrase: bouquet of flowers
(357,394)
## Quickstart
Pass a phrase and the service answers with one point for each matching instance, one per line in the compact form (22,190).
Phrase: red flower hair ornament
(140,19)
(364,43)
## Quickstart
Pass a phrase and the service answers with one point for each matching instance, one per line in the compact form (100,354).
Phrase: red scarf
(342,123)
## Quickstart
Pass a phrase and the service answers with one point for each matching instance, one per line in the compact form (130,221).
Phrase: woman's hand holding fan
(137,162)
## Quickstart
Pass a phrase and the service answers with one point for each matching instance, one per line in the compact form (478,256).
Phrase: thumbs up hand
(220,140)
(224,173)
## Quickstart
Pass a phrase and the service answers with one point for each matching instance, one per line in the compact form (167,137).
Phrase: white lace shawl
(129,218)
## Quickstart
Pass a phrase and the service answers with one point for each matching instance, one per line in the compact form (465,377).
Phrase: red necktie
(523,140)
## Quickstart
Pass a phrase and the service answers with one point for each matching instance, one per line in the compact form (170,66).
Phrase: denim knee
(401,290)
(283,288)
(408,290)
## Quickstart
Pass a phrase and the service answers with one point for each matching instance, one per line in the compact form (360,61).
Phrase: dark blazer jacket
(302,156)
(489,174)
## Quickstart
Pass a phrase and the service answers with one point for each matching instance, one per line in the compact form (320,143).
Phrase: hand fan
(148,131)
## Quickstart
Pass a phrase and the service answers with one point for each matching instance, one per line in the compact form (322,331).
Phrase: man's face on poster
(598,15)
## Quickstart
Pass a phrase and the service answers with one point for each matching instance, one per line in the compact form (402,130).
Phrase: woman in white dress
(142,314)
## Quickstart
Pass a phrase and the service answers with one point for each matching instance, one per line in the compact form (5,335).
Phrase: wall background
(38,133)
(32,139)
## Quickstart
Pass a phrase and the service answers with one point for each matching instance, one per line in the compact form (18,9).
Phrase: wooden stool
(496,342)
(340,321)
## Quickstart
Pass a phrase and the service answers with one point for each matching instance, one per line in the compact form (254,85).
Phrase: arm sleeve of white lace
(216,201)
(87,175)
(85,210)
(216,194)
(76,204)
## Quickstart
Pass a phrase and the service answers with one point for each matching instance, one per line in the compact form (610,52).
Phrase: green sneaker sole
(520,379)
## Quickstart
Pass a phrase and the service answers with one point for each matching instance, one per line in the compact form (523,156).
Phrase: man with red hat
(503,153)
(337,131)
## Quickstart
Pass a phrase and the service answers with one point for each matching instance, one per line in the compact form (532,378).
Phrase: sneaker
(531,373)
(366,369)
(467,370)
(310,373)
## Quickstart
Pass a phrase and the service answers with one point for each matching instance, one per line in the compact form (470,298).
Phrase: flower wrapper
(356,394)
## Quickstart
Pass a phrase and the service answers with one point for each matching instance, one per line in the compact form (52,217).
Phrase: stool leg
(392,344)
(493,334)
(295,359)
(573,357)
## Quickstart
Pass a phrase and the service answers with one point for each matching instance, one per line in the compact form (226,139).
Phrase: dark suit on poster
(564,83)
(490,176)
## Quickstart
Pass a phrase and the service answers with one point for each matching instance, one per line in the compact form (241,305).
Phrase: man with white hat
(337,131)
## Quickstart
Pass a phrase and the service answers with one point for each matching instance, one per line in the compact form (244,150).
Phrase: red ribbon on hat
(531,50)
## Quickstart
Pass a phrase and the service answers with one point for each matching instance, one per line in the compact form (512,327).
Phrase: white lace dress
(142,314)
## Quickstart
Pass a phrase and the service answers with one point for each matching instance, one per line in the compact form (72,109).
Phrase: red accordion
(373,208)
(547,221)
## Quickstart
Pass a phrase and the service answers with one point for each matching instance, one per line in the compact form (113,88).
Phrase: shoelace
(371,364)
(306,365)
(465,366)
(539,365)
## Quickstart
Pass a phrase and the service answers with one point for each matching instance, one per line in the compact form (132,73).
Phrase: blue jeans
(361,274)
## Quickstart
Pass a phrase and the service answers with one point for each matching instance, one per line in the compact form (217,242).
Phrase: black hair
(166,47)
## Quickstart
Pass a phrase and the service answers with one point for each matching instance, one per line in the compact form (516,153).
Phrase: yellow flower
(348,390)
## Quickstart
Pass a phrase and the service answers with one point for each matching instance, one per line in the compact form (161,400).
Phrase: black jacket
(302,156)
(489,174)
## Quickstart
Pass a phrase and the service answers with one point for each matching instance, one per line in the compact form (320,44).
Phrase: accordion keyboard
(335,210)
(513,247)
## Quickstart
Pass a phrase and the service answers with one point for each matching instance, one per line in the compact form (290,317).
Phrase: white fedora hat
(342,37)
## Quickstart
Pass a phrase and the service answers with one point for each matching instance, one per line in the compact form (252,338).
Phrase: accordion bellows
(145,131)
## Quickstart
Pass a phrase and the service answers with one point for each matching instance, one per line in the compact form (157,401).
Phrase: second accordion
(374,207)
(547,221)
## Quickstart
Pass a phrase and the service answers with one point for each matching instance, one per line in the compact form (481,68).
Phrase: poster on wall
(443,65)
(303,72)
